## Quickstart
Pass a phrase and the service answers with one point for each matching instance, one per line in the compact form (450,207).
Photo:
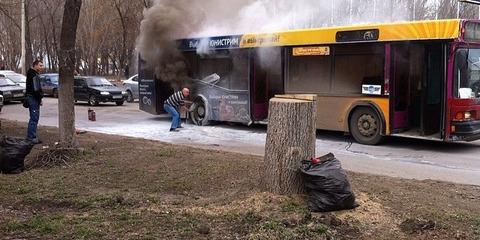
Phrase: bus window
(239,76)
(467,73)
(231,67)
(354,64)
(309,74)
(220,66)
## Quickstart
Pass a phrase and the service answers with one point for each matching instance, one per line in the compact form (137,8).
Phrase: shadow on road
(408,144)
(339,137)
(100,104)
(12,103)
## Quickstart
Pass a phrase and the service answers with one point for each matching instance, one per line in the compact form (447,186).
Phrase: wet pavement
(397,157)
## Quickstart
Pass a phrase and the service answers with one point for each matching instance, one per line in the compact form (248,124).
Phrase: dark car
(11,91)
(95,90)
(49,83)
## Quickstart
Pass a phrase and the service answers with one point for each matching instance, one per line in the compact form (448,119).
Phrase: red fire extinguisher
(92,115)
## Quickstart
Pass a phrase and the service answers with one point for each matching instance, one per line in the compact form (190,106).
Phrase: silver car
(131,87)
(17,78)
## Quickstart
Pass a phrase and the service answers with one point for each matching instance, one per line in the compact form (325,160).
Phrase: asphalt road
(397,157)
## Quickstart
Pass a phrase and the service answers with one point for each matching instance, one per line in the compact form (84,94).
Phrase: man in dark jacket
(34,99)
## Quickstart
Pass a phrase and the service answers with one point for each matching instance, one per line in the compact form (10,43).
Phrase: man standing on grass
(34,100)
(172,104)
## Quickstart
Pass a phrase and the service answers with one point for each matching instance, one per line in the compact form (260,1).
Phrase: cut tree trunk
(290,139)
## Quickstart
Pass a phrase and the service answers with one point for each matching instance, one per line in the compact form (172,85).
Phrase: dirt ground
(126,188)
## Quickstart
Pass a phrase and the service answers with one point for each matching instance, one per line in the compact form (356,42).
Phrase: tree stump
(291,138)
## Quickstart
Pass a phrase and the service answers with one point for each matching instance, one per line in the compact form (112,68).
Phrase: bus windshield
(467,74)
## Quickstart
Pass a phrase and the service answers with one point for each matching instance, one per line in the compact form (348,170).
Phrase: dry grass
(124,188)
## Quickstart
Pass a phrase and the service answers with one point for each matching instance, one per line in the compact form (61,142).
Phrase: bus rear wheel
(199,112)
(366,126)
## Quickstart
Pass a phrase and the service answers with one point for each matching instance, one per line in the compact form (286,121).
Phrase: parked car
(95,90)
(11,91)
(49,83)
(17,78)
(131,86)
(1,103)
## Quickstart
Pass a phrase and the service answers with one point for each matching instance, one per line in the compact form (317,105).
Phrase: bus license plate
(18,95)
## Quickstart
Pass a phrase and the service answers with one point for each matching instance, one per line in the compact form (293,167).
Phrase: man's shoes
(35,141)
(174,130)
(180,127)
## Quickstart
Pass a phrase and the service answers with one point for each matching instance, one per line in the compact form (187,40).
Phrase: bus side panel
(226,105)
(152,91)
(333,111)
(228,97)
(146,89)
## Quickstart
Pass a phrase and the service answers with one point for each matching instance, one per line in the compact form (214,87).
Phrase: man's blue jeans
(175,115)
(34,108)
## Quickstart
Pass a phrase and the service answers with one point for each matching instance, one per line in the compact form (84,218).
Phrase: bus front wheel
(366,126)
(199,112)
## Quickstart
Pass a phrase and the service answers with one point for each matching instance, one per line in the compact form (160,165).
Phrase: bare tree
(107,30)
(66,100)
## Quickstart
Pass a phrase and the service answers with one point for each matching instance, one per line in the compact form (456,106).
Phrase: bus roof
(382,32)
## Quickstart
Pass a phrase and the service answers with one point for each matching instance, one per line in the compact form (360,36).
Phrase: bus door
(401,96)
(433,97)
(417,96)
(266,79)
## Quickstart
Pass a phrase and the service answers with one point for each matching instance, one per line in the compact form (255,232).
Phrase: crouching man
(172,104)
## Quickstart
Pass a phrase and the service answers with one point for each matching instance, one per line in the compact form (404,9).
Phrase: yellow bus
(412,79)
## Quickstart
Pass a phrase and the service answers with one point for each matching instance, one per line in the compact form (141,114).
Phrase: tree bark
(290,139)
(123,54)
(66,102)
(28,39)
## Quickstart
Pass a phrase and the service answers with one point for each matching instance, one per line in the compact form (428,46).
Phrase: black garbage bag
(12,154)
(327,185)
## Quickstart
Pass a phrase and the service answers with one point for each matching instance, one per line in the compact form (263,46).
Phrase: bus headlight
(467,116)
(463,116)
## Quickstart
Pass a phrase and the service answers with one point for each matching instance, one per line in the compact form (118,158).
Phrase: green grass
(251,218)
(275,229)
(291,204)
(476,226)
(85,232)
(149,192)
(165,153)
(23,190)
(41,224)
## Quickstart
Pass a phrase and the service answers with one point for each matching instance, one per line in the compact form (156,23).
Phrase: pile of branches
(55,157)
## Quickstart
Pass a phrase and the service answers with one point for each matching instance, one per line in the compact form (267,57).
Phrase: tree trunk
(123,54)
(66,107)
(28,39)
(290,139)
